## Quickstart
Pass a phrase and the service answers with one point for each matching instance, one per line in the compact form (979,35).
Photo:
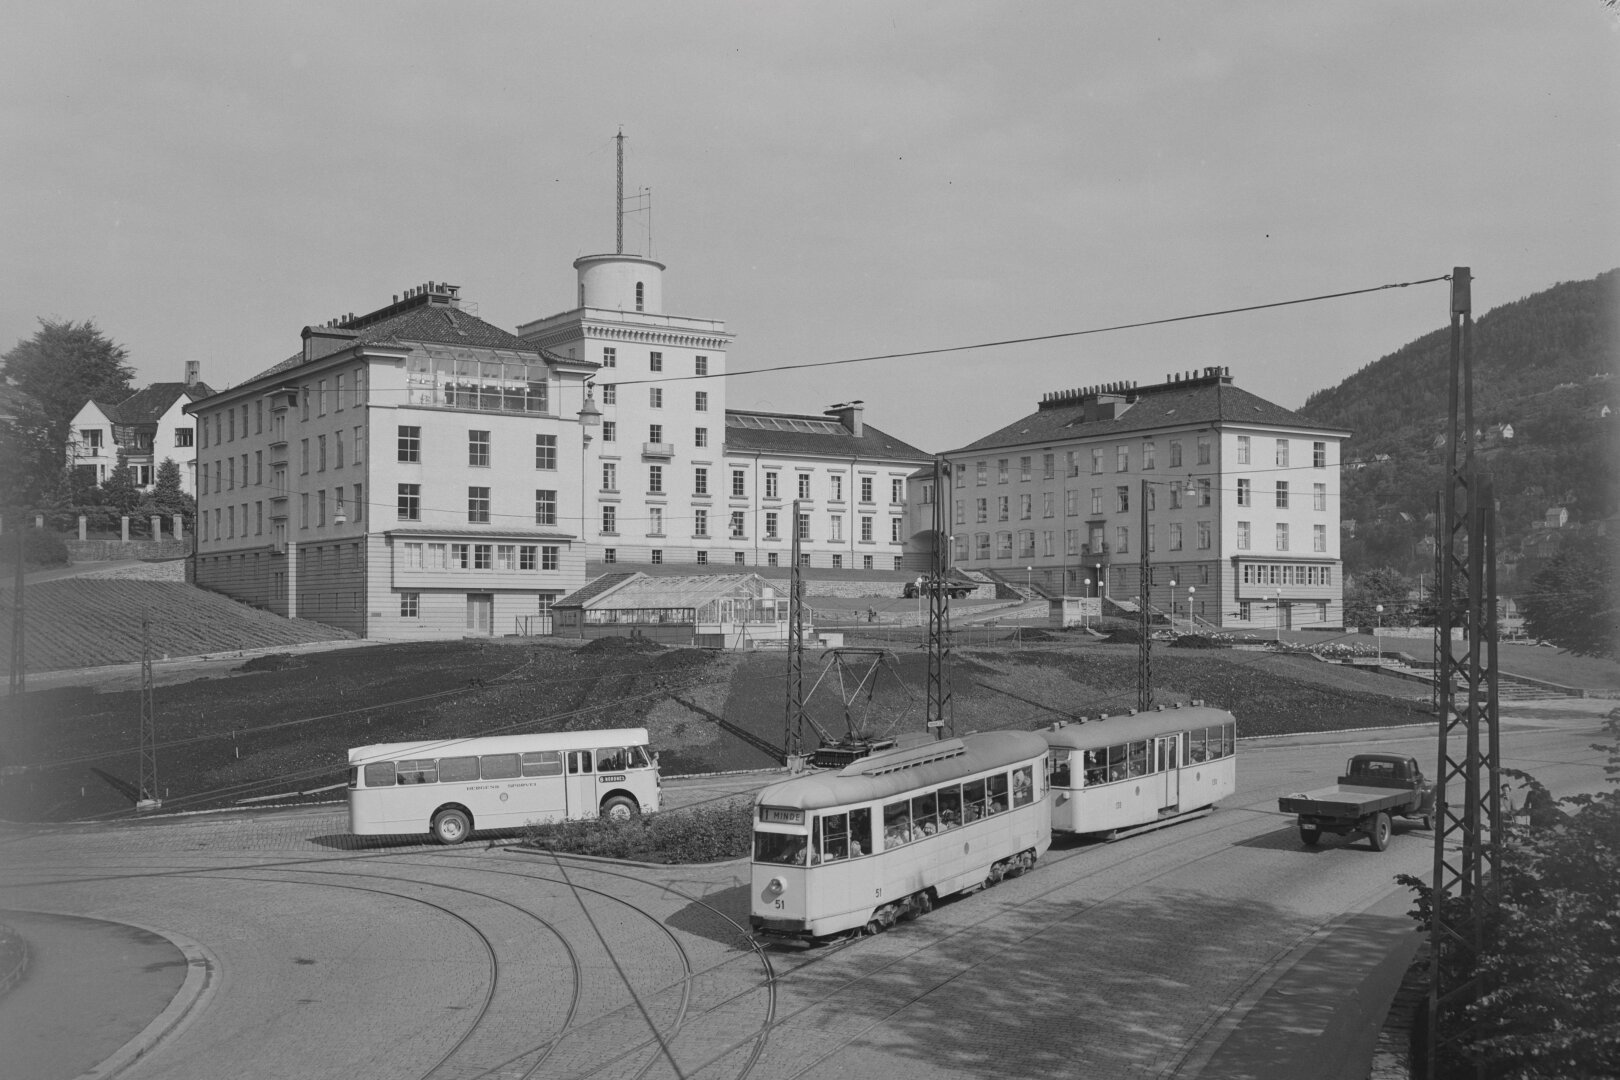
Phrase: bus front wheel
(620,808)
(451,826)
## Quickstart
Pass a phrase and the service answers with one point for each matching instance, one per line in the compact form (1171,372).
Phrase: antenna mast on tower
(618,205)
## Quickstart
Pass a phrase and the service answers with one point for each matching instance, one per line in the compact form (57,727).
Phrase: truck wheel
(1309,835)
(450,826)
(1380,832)
(620,808)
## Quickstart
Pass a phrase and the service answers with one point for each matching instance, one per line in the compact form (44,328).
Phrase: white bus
(449,787)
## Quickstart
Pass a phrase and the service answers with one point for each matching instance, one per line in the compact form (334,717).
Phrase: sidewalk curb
(200,983)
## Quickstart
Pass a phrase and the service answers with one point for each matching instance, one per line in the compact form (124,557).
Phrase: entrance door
(1167,756)
(581,783)
(480,612)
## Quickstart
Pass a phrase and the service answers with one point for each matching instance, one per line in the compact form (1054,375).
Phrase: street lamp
(1028,570)
(1085,612)
(1278,594)
(1378,631)
(920,601)
(1190,590)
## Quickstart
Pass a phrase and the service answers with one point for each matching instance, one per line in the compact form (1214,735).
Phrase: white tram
(888,835)
(1137,771)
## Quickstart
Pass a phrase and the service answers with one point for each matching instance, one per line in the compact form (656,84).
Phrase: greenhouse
(724,611)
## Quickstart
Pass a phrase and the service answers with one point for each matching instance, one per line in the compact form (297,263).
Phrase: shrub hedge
(708,832)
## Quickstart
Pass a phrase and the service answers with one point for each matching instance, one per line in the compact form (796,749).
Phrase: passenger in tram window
(896,824)
(924,815)
(1195,744)
(1023,788)
(973,800)
(1096,766)
(996,792)
(1059,776)
(1116,762)
(860,831)
(835,836)
(815,842)
(1138,759)
(950,806)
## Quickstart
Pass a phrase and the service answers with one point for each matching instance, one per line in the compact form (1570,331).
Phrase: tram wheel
(923,902)
(451,826)
(874,928)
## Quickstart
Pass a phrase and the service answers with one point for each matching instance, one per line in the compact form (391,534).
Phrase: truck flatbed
(1374,789)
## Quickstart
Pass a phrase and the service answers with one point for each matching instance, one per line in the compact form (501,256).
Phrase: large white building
(1242,501)
(674,477)
(411,473)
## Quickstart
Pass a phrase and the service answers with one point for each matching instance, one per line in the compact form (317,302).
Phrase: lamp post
(1190,590)
(1085,615)
(1378,631)
(1278,603)
(920,592)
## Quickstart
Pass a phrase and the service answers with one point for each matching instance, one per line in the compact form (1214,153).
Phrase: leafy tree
(1552,955)
(1573,601)
(64,365)
(32,465)
(1363,594)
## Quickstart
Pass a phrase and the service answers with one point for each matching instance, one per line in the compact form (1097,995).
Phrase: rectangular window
(320,445)
(1071,503)
(610,519)
(1318,496)
(1206,492)
(1318,537)
(1175,536)
(410,443)
(1243,536)
(897,491)
(1048,504)
(610,357)
(359,503)
(320,398)
(700,522)
(1096,460)
(657,556)
(337,447)
(506,557)
(1001,470)
(837,527)
(982,473)
(804,526)
(866,489)
(655,397)
(410,605)
(837,487)
(359,445)
(1026,507)
(1243,450)
(770,524)
(1002,507)
(700,400)
(700,480)
(700,436)
(1282,536)
(866,562)
(1073,459)
(739,558)
(655,521)
(771,491)
(610,476)
(981,545)
(478,505)
(1204,536)
(894,530)
(837,561)
(545,451)
(1203,449)
(1175,453)
(483,556)
(700,365)
(1282,494)
(804,485)
(1122,499)
(303,462)
(610,396)
(738,483)
(1096,500)
(1122,540)
(478,449)
(1148,454)
(655,361)
(410,502)
(1282,452)
(983,510)
(1071,542)
(655,479)
(1048,466)
(1175,496)
(866,529)
(1025,465)
(737,528)
(545,506)
(1244,494)
(610,431)
(1318,455)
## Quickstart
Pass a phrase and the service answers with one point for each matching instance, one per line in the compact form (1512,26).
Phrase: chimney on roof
(848,414)
(193,372)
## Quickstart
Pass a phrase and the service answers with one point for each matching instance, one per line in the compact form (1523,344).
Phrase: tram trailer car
(449,787)
(1125,774)
(887,836)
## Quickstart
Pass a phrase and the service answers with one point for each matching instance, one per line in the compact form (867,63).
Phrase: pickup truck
(1374,788)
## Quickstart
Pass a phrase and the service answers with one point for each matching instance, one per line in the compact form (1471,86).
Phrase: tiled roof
(1156,407)
(824,438)
(148,406)
(439,324)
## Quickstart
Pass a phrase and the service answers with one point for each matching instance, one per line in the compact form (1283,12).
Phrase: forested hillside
(1545,368)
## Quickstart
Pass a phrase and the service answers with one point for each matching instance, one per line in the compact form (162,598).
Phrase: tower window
(641,294)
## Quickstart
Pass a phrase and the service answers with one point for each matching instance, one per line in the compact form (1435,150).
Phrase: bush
(709,832)
(40,548)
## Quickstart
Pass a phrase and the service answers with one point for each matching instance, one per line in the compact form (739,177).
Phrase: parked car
(954,589)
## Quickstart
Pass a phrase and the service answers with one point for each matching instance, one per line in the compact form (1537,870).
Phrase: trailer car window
(1195,745)
(996,792)
(1096,766)
(457,770)
(1138,759)
(924,815)
(1060,769)
(896,824)
(380,774)
(973,800)
(950,806)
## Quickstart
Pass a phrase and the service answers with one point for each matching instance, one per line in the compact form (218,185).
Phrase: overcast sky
(830,179)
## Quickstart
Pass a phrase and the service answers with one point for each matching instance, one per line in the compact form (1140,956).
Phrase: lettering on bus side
(616,778)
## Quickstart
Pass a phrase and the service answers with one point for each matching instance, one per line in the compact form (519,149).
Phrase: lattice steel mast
(939,717)
(793,739)
(1467,838)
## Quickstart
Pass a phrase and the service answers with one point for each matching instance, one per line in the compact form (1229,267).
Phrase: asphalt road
(1218,948)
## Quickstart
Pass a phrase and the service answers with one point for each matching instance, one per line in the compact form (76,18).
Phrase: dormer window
(641,294)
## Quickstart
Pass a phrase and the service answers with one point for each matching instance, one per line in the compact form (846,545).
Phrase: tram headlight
(776,887)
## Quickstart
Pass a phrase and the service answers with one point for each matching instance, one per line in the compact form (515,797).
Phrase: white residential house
(146,428)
